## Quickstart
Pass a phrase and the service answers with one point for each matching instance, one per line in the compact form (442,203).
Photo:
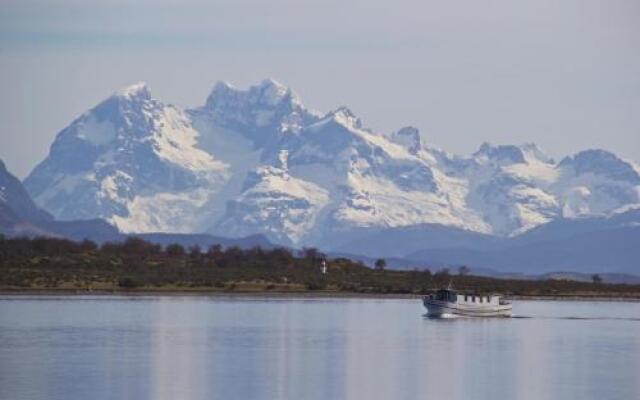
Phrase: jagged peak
(532,150)
(409,137)
(273,84)
(603,162)
(516,154)
(274,92)
(224,85)
(408,131)
(500,153)
(594,159)
(268,92)
(485,147)
(138,90)
(591,154)
(344,116)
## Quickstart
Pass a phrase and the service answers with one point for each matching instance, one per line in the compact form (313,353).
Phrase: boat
(447,303)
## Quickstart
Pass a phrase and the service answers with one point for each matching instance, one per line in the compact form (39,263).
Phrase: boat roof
(453,291)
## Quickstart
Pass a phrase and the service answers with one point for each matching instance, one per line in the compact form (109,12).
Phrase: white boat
(447,303)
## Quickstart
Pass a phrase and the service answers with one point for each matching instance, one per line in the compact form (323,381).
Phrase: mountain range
(21,217)
(257,161)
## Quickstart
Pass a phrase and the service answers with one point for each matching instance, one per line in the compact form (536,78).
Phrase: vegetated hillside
(55,264)
(204,241)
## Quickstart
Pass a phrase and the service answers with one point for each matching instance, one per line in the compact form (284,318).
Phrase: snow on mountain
(374,182)
(240,127)
(131,160)
(596,182)
(257,160)
(260,113)
(275,203)
(507,186)
(519,187)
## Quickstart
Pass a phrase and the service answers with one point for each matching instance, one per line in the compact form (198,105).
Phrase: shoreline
(21,292)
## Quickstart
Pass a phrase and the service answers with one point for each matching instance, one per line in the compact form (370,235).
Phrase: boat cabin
(451,296)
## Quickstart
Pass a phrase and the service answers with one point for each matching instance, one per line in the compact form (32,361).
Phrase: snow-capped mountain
(131,160)
(258,161)
(262,113)
(274,202)
(519,187)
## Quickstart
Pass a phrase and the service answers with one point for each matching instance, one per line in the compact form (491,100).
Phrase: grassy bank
(60,266)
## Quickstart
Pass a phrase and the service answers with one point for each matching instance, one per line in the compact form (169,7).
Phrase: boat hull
(444,309)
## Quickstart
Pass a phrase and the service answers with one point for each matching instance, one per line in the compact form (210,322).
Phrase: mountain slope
(613,251)
(131,160)
(16,201)
(19,216)
(257,161)
(593,244)
(404,242)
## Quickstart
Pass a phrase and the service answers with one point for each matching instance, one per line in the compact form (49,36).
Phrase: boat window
(447,295)
(481,298)
(465,297)
(473,299)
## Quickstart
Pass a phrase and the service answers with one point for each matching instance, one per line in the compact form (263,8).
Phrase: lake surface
(196,347)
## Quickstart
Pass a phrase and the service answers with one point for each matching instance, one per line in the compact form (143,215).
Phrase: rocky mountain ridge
(257,161)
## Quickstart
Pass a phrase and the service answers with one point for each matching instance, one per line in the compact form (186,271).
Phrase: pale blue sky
(563,74)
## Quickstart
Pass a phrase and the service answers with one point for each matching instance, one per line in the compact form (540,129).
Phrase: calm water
(255,348)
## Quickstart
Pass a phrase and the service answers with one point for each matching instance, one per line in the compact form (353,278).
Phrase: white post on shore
(323,267)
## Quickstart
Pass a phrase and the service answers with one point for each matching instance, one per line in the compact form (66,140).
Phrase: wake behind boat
(448,303)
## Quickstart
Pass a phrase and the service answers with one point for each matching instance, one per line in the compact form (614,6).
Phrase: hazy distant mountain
(257,161)
(404,241)
(605,244)
(17,211)
(20,216)
(16,202)
(598,251)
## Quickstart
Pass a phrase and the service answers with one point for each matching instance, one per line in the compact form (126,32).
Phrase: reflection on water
(282,348)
